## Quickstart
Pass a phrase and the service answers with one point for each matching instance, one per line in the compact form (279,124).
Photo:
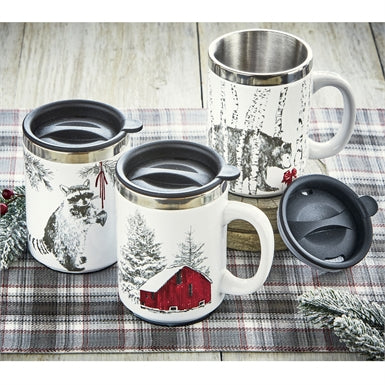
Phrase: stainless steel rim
(251,78)
(172,203)
(75,157)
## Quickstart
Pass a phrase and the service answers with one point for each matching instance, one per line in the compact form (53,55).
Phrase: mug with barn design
(70,152)
(172,213)
(259,87)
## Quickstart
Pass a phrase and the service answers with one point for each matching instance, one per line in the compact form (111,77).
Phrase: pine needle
(360,324)
(13,231)
(360,337)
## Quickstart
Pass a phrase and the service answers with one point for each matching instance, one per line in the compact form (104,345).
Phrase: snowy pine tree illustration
(190,254)
(37,173)
(141,256)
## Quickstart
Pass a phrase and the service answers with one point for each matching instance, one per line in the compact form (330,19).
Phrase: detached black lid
(173,169)
(324,223)
(77,125)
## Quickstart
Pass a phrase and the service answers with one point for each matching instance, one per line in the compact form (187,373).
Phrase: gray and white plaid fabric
(45,311)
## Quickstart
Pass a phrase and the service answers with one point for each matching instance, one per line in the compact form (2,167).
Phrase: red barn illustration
(176,289)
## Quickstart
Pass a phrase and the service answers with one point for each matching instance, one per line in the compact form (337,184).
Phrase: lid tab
(370,205)
(229,172)
(132,125)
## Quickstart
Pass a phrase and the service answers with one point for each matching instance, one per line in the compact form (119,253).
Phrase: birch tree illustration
(249,146)
(234,133)
(255,115)
(246,162)
(302,121)
(235,114)
(37,173)
(218,138)
(190,254)
(210,105)
(141,256)
(278,114)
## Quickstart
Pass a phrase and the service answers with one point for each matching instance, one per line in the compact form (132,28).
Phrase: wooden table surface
(130,65)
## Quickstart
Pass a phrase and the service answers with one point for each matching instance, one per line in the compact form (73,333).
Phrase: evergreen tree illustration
(37,173)
(191,254)
(142,257)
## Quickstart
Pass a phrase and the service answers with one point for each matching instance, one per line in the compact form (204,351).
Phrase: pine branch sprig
(13,230)
(324,305)
(360,324)
(93,170)
(360,337)
(37,173)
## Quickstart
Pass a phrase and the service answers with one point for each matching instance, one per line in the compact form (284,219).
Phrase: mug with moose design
(172,213)
(259,87)
(70,152)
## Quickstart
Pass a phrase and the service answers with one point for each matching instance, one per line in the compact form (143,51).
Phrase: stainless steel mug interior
(260,57)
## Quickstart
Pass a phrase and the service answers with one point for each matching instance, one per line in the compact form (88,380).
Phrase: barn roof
(158,280)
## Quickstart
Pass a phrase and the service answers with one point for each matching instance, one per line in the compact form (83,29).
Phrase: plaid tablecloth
(45,311)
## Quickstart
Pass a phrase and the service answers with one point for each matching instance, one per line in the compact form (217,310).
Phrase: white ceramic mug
(70,151)
(172,213)
(259,87)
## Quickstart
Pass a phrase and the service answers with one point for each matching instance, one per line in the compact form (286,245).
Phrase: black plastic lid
(77,125)
(324,223)
(173,169)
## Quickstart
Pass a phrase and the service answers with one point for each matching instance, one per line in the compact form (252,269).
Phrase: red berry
(3,209)
(7,194)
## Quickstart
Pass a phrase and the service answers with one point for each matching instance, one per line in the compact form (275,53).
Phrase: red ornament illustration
(288,176)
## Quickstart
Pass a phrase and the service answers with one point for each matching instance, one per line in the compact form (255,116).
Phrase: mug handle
(333,146)
(240,286)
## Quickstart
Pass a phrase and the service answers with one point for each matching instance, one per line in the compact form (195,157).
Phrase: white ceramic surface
(172,263)
(71,228)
